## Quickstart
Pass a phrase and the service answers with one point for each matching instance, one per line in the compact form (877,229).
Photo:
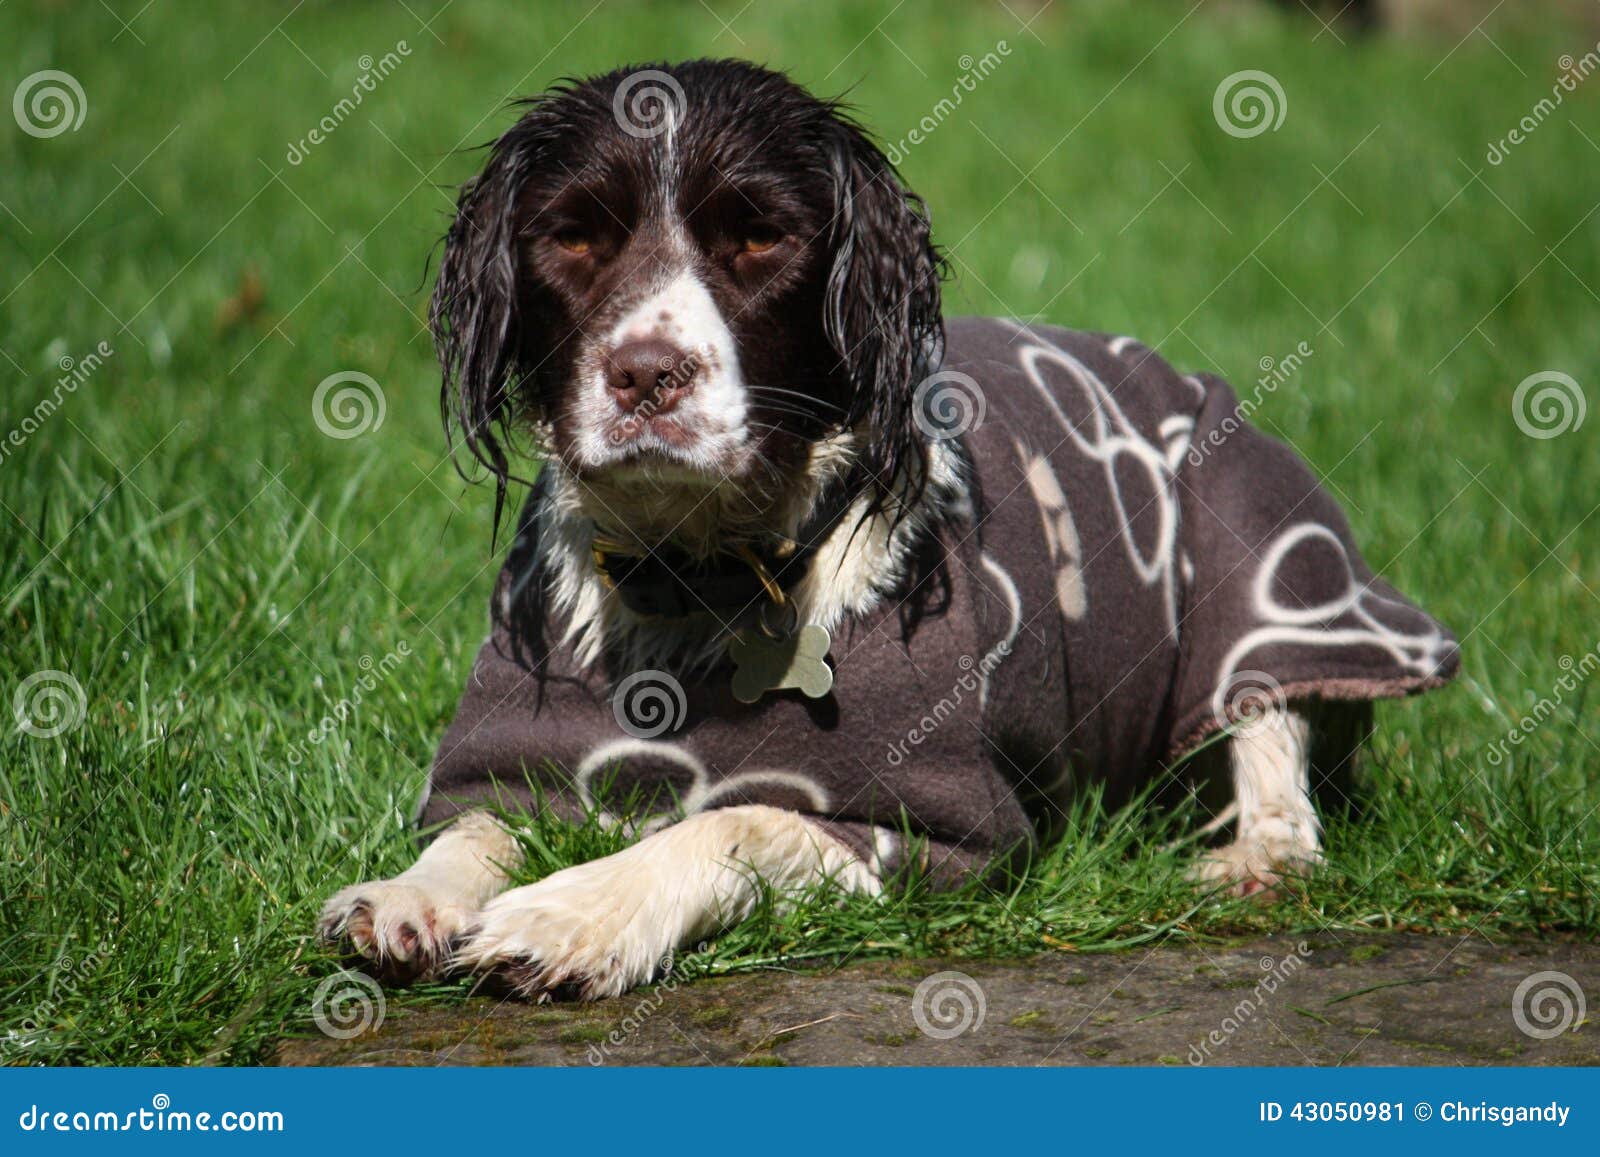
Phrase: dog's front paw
(1256,867)
(402,931)
(585,933)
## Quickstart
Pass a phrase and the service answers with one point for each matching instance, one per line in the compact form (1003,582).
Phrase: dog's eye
(573,242)
(760,239)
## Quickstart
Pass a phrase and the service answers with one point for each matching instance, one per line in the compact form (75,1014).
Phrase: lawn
(204,575)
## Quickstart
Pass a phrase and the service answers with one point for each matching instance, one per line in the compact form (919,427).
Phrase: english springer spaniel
(829,590)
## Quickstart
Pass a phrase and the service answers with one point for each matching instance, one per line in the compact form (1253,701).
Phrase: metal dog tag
(777,662)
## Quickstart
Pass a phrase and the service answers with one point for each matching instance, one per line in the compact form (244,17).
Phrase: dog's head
(684,279)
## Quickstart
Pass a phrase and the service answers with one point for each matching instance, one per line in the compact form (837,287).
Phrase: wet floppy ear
(882,312)
(478,331)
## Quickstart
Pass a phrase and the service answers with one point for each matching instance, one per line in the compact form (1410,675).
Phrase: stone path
(1373,1000)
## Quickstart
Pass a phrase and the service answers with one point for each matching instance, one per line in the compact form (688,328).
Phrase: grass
(216,575)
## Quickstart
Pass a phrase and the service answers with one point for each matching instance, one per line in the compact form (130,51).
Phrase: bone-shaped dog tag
(796,659)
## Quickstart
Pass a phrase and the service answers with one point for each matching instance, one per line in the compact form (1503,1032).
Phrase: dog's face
(685,277)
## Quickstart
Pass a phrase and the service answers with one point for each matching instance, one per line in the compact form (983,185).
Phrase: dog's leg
(1278,832)
(598,929)
(406,926)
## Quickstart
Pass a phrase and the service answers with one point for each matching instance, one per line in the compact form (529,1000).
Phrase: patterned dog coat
(1143,569)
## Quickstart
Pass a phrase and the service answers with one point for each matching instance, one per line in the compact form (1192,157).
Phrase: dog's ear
(881,313)
(477,314)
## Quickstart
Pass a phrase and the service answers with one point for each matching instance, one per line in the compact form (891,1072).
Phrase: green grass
(211,570)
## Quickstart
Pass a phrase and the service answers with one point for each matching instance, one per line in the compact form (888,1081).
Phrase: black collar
(667,581)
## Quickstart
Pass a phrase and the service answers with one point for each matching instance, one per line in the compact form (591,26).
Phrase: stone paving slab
(1366,1000)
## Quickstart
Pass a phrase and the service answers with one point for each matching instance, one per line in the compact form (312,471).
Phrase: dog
(813,587)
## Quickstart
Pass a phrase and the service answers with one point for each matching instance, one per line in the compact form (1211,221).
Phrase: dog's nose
(649,374)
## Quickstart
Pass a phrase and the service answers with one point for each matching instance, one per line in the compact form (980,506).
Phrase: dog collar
(668,583)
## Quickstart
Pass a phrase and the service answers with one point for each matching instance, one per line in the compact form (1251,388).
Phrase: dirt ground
(1373,1000)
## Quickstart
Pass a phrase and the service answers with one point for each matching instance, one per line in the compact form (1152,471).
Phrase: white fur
(602,927)
(407,925)
(1278,832)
